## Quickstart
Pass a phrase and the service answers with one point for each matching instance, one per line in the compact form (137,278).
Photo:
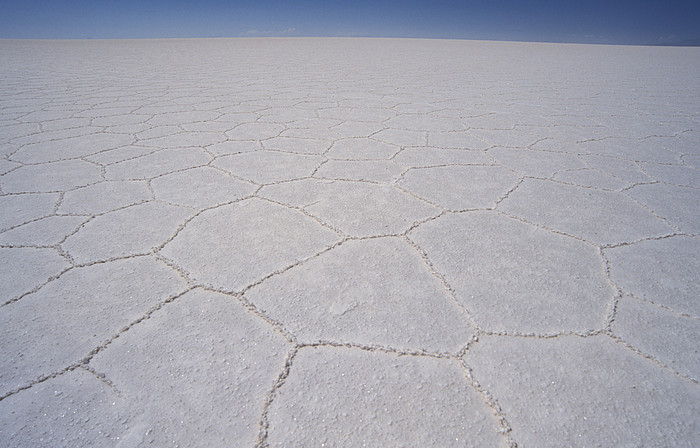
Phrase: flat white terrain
(348,242)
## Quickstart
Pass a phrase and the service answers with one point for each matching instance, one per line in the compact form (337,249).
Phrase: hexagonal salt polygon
(372,292)
(515,277)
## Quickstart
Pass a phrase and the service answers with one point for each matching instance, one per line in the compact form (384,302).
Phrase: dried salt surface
(573,391)
(467,244)
(345,397)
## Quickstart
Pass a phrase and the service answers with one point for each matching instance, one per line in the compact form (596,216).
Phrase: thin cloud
(268,33)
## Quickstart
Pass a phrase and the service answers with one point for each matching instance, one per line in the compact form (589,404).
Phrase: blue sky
(585,21)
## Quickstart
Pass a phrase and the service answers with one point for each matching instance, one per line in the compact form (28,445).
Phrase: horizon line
(685,43)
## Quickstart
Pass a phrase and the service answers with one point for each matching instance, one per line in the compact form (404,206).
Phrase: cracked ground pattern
(348,242)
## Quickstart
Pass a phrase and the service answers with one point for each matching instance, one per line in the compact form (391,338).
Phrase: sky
(643,22)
